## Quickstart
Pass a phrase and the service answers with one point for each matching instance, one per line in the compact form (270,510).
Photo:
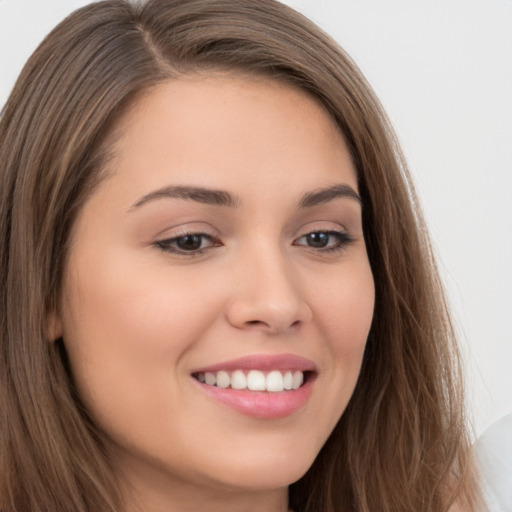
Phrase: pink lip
(263,362)
(262,404)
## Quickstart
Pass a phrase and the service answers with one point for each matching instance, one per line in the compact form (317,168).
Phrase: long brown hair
(401,444)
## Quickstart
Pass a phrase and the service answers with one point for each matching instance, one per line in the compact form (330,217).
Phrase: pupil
(318,239)
(189,242)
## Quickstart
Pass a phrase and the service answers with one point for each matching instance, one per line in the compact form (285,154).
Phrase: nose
(267,296)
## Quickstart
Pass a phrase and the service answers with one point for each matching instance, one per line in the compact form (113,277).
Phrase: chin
(268,471)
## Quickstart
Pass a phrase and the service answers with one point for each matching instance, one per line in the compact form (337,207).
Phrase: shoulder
(493,451)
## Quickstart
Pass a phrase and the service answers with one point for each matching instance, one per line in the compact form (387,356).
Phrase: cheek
(345,312)
(346,309)
(122,301)
(125,323)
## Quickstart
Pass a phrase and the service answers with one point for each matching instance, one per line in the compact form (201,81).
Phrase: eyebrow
(325,195)
(198,194)
(223,198)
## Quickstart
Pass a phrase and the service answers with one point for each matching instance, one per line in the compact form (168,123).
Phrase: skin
(137,318)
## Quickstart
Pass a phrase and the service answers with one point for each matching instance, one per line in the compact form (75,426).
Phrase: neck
(150,492)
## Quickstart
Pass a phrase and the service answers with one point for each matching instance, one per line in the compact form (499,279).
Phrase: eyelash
(342,242)
(169,244)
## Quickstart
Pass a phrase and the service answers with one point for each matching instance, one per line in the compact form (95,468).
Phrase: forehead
(210,128)
(223,96)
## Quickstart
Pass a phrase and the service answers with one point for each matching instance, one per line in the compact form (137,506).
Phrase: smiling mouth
(274,381)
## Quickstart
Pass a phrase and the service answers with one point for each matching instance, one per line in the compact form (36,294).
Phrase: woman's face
(225,243)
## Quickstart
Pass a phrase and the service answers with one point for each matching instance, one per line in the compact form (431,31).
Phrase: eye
(188,244)
(325,241)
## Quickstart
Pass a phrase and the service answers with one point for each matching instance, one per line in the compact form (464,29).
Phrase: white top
(494,453)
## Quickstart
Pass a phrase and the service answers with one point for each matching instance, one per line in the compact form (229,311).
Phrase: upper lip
(264,362)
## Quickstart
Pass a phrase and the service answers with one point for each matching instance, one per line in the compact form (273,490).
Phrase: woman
(218,290)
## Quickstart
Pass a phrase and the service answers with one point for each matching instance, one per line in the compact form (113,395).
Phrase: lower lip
(261,404)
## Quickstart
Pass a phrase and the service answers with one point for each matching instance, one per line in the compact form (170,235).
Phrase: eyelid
(344,239)
(338,239)
(166,244)
(184,228)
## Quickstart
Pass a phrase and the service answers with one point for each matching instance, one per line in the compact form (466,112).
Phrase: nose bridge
(268,294)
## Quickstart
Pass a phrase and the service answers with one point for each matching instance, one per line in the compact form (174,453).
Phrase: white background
(443,70)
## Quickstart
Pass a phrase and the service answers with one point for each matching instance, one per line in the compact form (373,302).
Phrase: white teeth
(275,382)
(256,380)
(238,380)
(210,378)
(223,379)
(288,381)
(298,379)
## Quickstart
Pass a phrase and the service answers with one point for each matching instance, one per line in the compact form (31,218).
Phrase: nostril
(272,327)
(256,324)
(265,315)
